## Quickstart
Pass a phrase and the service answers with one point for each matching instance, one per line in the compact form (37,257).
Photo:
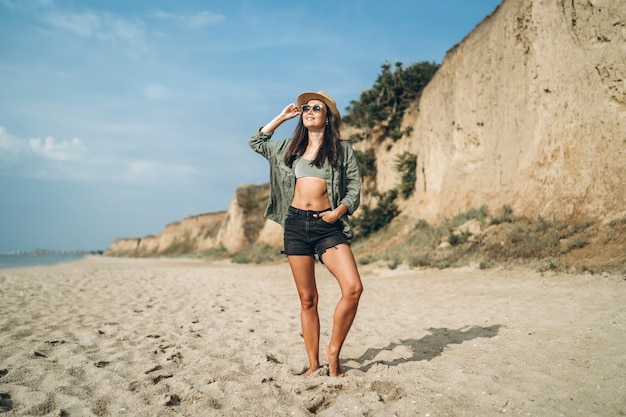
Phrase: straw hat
(323,97)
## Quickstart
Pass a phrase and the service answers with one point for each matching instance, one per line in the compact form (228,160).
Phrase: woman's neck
(316,138)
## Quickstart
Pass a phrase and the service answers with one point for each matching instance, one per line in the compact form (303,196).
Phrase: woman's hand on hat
(290,111)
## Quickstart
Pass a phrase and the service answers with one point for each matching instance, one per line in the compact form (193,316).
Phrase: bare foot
(333,363)
(310,371)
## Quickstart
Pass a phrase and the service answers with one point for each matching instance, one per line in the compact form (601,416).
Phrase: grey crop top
(305,168)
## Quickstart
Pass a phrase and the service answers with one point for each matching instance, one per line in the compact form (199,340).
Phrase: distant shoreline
(53,252)
(30,259)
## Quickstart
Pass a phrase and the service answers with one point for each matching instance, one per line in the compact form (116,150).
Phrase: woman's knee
(308,301)
(354,291)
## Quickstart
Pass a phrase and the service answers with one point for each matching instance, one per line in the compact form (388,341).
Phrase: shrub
(506,217)
(372,220)
(356,137)
(422,225)
(458,238)
(419,260)
(367,163)
(217,252)
(479,214)
(406,164)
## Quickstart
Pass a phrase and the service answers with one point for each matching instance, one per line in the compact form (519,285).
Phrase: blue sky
(119,117)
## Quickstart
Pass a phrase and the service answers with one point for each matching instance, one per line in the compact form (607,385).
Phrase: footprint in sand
(172,400)
(6,402)
(156,368)
(158,378)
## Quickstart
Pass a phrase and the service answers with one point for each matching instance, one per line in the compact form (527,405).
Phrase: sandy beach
(145,337)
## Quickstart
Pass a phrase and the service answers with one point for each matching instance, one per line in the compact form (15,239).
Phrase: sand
(145,337)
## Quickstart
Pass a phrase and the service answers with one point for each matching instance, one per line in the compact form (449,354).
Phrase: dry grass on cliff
(476,238)
(486,240)
(258,254)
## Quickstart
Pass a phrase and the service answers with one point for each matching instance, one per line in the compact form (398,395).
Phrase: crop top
(306,168)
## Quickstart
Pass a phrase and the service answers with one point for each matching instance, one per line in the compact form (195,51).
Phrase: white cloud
(194,21)
(129,32)
(98,25)
(52,159)
(9,147)
(14,150)
(64,150)
(85,23)
(41,158)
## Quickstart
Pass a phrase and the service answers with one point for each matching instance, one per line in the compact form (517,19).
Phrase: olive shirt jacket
(343,182)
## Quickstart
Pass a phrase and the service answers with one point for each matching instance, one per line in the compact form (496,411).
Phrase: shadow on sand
(428,347)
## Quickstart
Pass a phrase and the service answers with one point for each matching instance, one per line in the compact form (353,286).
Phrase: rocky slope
(528,111)
(228,231)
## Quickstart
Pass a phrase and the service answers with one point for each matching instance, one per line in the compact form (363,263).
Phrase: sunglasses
(316,108)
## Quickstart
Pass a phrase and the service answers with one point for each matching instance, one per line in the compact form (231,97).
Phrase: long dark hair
(329,150)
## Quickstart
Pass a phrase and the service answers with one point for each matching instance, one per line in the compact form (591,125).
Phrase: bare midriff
(310,194)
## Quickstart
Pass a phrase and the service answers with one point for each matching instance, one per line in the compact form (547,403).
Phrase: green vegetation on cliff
(385,103)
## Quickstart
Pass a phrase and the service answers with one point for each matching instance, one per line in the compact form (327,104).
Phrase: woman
(314,186)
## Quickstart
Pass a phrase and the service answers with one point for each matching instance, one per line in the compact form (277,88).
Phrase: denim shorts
(307,234)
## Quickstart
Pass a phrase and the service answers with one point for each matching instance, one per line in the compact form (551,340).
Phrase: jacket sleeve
(351,187)
(259,142)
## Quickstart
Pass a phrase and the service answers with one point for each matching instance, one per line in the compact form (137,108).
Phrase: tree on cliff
(390,96)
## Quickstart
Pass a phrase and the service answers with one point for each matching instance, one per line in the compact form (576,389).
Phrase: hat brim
(321,96)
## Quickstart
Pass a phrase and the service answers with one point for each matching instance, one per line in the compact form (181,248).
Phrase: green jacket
(343,182)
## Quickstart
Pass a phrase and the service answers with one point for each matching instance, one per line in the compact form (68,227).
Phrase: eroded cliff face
(232,230)
(194,234)
(527,111)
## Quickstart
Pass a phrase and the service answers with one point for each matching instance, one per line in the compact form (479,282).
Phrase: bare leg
(303,270)
(340,262)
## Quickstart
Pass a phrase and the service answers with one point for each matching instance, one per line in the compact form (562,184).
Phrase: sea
(19,260)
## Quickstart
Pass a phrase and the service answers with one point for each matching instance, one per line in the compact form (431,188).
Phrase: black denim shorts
(307,234)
